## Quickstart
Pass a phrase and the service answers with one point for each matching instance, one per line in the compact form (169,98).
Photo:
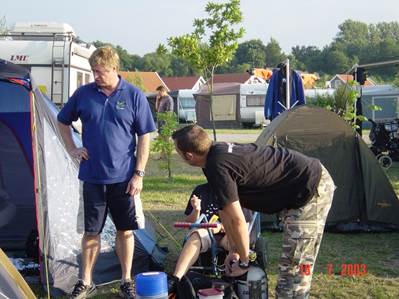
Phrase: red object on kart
(195,225)
(210,294)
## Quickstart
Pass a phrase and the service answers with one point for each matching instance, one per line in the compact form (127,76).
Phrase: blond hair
(192,139)
(104,56)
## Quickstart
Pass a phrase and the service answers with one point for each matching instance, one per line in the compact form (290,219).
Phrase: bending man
(269,180)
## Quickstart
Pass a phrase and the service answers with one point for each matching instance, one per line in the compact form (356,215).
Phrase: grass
(378,252)
(165,200)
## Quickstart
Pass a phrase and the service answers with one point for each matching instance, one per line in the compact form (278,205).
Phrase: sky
(140,26)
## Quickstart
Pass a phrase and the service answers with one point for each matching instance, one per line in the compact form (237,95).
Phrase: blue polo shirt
(109,128)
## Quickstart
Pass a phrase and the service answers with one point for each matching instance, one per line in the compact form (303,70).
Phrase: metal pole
(287,90)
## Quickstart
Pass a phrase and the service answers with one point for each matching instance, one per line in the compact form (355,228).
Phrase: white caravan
(252,103)
(53,53)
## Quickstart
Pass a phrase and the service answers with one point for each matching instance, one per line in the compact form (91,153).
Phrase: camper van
(54,55)
(186,105)
(252,102)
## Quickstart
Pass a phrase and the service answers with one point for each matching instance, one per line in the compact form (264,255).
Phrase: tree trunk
(211,109)
(169,168)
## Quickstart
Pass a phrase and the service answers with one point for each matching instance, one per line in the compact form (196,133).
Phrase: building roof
(151,80)
(380,90)
(346,78)
(176,83)
(231,78)
(224,88)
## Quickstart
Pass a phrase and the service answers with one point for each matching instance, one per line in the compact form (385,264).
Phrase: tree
(126,60)
(163,143)
(180,67)
(177,66)
(274,54)
(136,80)
(365,43)
(335,61)
(160,63)
(308,58)
(252,52)
(352,37)
(212,43)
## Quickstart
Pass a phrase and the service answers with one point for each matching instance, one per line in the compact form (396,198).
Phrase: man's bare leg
(124,246)
(91,245)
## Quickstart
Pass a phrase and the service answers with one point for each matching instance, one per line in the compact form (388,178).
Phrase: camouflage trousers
(303,231)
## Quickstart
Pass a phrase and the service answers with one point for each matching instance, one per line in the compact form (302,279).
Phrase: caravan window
(187,103)
(255,100)
(87,78)
(79,79)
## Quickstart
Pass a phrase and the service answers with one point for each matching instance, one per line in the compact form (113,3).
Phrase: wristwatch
(139,173)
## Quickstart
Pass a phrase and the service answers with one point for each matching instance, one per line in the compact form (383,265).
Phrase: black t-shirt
(209,206)
(263,178)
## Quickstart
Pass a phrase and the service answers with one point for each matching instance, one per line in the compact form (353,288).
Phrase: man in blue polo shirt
(113,113)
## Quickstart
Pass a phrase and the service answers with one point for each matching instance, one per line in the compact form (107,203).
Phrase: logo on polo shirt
(120,104)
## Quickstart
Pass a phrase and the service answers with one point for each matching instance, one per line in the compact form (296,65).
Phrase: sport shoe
(128,289)
(81,291)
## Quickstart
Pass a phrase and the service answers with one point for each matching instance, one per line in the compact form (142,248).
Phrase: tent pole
(287,90)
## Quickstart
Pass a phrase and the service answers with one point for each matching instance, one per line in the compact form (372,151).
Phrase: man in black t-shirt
(268,180)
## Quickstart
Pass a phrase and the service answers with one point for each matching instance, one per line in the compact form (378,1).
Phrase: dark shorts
(126,212)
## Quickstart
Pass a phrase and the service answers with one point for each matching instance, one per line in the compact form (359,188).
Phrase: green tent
(364,198)
(12,284)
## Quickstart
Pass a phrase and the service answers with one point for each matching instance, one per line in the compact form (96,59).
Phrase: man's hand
(135,185)
(80,153)
(232,265)
(195,203)
(217,229)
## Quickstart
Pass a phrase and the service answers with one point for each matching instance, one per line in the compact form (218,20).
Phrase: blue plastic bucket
(151,285)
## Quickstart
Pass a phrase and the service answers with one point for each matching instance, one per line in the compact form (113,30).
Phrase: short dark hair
(192,138)
(161,88)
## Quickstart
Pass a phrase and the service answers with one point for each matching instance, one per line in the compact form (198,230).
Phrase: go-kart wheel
(385,161)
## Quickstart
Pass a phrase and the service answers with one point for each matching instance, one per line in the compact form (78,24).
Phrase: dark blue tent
(17,210)
(39,189)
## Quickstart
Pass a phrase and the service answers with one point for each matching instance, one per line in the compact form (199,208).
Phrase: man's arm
(66,135)
(236,229)
(170,108)
(196,209)
(157,100)
(143,150)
